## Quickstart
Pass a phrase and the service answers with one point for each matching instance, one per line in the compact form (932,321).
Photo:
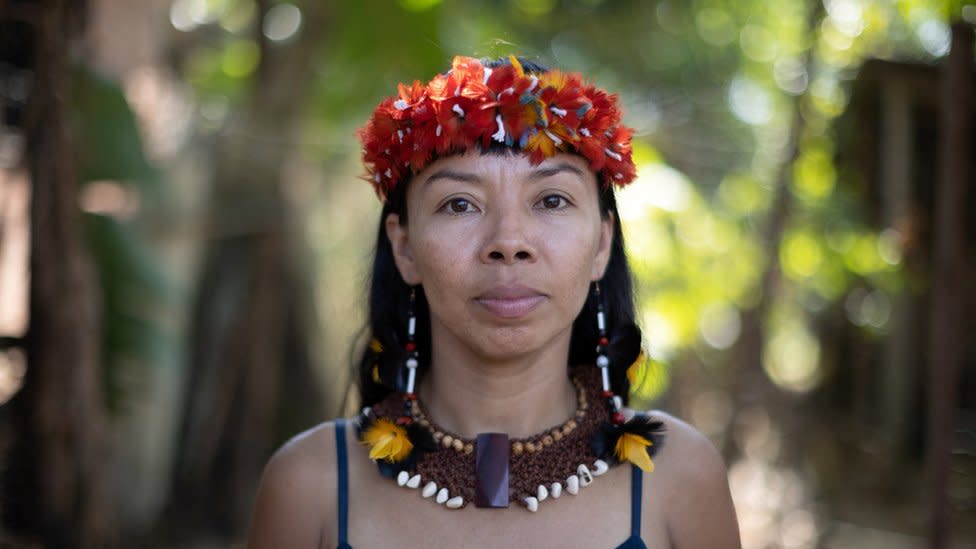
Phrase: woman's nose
(510,240)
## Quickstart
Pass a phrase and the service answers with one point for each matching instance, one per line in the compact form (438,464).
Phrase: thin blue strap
(340,425)
(636,494)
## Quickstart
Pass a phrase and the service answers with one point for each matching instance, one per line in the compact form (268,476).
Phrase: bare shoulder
(692,473)
(297,494)
(686,453)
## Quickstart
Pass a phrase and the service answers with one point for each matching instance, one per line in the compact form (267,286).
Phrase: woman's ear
(402,255)
(604,246)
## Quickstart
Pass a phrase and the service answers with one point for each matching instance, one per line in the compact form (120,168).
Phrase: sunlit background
(782,231)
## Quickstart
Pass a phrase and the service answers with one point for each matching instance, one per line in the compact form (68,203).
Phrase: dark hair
(380,369)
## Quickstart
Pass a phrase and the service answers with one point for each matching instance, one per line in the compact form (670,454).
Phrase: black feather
(647,427)
(604,441)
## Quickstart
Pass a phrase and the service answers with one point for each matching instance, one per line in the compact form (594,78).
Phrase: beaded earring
(411,363)
(621,440)
(396,445)
(603,361)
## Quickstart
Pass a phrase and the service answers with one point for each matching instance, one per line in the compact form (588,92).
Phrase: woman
(502,324)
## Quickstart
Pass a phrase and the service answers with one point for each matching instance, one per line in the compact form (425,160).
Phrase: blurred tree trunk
(54,471)
(250,383)
(945,341)
(745,377)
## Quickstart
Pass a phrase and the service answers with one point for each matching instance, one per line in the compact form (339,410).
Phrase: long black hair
(380,368)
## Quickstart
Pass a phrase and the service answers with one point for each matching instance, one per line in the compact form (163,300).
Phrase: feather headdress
(472,104)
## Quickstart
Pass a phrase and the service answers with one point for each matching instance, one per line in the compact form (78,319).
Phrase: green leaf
(109,144)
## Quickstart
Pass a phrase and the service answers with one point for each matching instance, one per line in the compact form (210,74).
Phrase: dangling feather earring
(619,440)
(395,445)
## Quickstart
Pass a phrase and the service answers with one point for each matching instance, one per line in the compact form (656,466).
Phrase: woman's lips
(510,301)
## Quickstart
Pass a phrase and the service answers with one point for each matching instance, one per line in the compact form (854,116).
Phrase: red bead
(410,396)
(404,420)
(618,418)
(604,341)
(411,346)
(607,394)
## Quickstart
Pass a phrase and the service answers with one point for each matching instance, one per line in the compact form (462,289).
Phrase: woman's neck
(468,394)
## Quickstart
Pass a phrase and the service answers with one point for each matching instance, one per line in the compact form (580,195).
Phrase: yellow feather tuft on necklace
(633,448)
(387,441)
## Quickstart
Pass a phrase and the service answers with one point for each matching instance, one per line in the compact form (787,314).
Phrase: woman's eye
(459,206)
(553,202)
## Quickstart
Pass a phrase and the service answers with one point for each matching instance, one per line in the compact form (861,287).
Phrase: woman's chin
(511,343)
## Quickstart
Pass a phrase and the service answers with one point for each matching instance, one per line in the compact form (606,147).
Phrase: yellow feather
(633,448)
(387,440)
(635,367)
(518,66)
(375,345)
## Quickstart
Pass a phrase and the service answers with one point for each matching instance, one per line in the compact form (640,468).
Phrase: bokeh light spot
(663,187)
(186,15)
(715,26)
(240,58)
(791,357)
(934,36)
(239,16)
(969,13)
(741,194)
(790,75)
(814,175)
(720,325)
(827,97)
(758,43)
(801,255)
(889,246)
(282,22)
(846,15)
(866,308)
(749,101)
(863,256)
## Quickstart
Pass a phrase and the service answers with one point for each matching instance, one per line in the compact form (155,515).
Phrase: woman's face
(505,250)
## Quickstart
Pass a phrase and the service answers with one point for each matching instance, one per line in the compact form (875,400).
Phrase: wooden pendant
(492,470)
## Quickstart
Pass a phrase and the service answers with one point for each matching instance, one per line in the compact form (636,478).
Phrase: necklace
(493,470)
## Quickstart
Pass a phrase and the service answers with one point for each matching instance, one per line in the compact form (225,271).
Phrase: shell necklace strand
(492,470)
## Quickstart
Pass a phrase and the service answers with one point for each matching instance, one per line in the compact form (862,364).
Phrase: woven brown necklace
(493,470)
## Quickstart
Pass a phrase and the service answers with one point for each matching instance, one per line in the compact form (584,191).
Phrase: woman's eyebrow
(451,174)
(549,171)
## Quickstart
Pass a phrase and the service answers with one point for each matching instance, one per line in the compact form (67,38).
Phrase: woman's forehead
(475,164)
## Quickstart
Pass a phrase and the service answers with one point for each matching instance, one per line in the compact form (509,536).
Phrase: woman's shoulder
(314,443)
(685,445)
(685,455)
(692,477)
(307,456)
(296,496)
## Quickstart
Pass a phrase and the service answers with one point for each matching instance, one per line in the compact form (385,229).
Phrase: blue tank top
(636,493)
